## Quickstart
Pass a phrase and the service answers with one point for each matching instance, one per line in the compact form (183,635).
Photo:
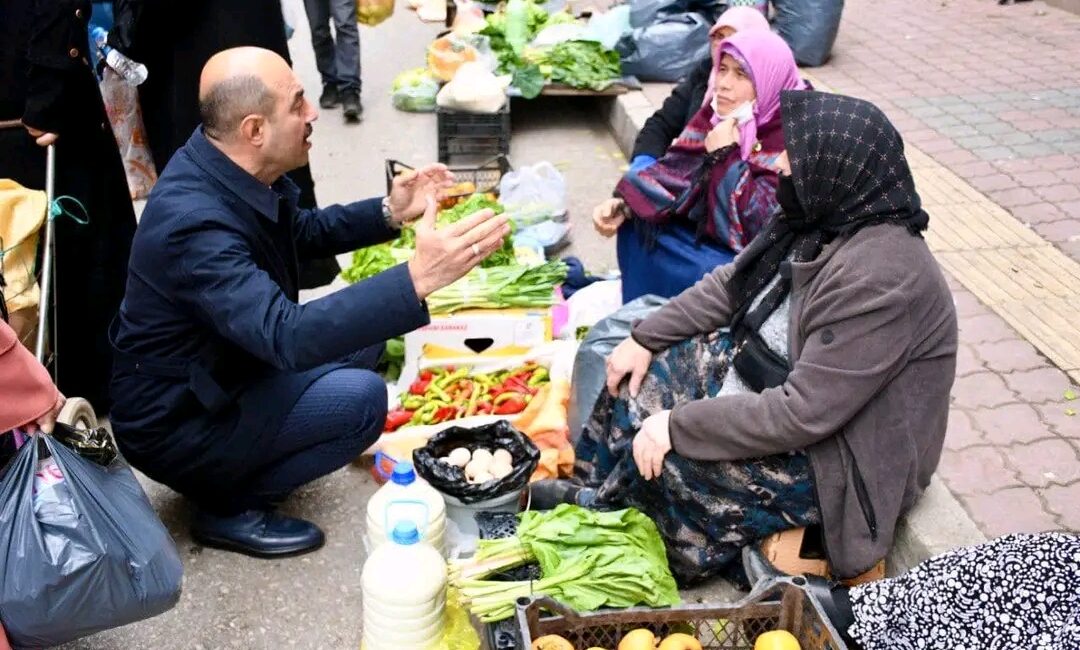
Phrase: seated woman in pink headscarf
(689,95)
(715,188)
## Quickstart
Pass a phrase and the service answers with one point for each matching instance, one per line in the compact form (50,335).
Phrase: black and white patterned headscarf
(848,171)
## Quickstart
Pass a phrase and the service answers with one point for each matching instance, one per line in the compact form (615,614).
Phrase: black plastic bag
(451,480)
(667,49)
(809,27)
(82,549)
(644,13)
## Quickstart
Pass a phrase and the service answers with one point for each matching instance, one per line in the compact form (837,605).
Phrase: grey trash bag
(82,549)
(665,50)
(809,27)
(590,372)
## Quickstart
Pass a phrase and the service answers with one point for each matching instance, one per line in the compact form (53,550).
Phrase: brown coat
(873,347)
(27,391)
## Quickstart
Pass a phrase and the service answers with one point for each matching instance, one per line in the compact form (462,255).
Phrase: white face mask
(743,114)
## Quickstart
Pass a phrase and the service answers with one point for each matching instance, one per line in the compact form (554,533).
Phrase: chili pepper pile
(444,394)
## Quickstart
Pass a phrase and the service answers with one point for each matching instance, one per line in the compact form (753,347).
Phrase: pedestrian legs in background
(337,56)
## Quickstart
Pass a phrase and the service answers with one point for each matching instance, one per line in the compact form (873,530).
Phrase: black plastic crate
(485,175)
(473,135)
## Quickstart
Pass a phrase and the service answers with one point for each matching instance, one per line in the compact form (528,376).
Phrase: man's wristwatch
(388,214)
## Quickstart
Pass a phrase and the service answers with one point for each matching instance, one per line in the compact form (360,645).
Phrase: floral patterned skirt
(706,511)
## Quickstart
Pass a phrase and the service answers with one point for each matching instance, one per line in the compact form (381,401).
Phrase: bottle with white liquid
(133,72)
(406,497)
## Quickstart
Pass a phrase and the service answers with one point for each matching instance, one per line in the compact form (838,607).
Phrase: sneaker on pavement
(260,533)
(330,97)
(350,103)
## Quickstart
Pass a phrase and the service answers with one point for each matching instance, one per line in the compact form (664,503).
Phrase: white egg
(482,477)
(500,470)
(459,457)
(474,468)
(484,455)
(503,456)
(446,460)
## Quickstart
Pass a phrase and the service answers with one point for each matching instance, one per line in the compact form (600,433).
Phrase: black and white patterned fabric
(1019,592)
(849,172)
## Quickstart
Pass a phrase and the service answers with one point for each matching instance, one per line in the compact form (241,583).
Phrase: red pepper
(443,414)
(396,419)
(427,375)
(483,407)
(419,387)
(510,407)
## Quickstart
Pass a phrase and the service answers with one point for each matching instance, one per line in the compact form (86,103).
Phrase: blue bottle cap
(405,534)
(403,473)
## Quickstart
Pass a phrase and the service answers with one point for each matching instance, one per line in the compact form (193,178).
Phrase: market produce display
(644,639)
(588,560)
(578,64)
(444,394)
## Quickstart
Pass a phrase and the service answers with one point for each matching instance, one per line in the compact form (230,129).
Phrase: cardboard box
(477,335)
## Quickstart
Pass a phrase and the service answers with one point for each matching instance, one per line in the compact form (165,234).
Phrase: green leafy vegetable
(580,64)
(367,262)
(529,80)
(588,560)
(500,287)
(393,359)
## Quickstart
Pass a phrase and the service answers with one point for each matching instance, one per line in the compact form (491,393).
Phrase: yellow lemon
(777,640)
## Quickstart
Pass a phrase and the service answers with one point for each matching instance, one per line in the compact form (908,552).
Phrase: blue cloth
(641,161)
(213,348)
(101,15)
(672,265)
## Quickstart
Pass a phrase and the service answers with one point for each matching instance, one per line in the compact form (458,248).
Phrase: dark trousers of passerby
(337,55)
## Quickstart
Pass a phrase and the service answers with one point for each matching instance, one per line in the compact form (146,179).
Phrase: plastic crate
(778,605)
(485,176)
(473,135)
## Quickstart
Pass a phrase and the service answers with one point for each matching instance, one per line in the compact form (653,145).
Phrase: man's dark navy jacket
(213,349)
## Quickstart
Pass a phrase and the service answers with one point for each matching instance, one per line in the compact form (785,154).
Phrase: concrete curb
(938,522)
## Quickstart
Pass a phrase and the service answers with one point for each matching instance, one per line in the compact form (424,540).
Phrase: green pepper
(539,377)
(443,382)
(471,409)
(439,392)
(412,402)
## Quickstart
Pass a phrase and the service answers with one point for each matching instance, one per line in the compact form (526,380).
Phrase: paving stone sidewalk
(993,94)
(990,95)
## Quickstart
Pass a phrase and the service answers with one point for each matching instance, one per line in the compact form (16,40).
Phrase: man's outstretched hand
(408,192)
(447,253)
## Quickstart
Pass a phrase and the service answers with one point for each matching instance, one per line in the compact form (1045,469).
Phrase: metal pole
(47,254)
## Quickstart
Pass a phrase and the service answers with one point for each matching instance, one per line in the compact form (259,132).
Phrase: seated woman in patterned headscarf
(825,397)
(715,188)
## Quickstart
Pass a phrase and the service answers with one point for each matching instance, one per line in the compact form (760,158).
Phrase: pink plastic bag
(125,116)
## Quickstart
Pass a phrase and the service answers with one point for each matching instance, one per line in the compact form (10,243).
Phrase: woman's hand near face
(723,134)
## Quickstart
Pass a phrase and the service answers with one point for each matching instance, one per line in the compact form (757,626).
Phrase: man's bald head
(236,83)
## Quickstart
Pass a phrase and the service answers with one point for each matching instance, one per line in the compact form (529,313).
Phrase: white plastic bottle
(406,497)
(404,591)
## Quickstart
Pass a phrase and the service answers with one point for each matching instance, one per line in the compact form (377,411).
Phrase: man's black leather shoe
(260,533)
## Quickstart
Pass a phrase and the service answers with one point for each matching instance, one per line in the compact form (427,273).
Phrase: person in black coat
(174,41)
(229,390)
(47,84)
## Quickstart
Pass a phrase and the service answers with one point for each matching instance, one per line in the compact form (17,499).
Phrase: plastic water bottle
(406,498)
(132,71)
(404,591)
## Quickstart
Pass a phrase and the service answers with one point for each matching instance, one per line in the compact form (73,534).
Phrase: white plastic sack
(474,89)
(533,194)
(555,34)
(609,26)
(122,106)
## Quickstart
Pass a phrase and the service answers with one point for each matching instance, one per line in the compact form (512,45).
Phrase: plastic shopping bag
(809,27)
(81,549)
(373,12)
(533,194)
(590,366)
(122,105)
